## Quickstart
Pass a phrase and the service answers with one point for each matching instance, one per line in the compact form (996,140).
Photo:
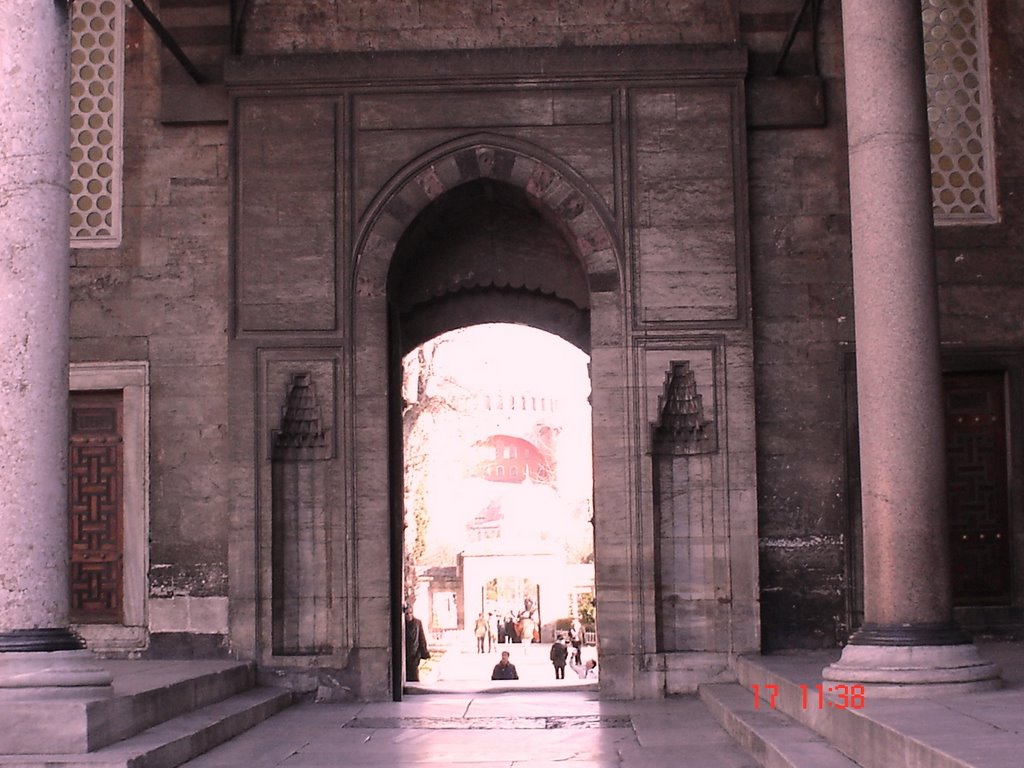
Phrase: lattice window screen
(97,88)
(959,111)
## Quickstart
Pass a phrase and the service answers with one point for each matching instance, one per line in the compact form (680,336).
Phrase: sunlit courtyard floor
(456,667)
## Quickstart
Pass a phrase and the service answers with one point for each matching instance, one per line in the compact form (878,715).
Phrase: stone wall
(164,295)
(808,496)
(981,272)
(803,329)
(294,26)
(981,289)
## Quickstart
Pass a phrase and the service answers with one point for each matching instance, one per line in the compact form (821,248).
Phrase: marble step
(175,741)
(145,694)
(944,730)
(166,691)
(773,738)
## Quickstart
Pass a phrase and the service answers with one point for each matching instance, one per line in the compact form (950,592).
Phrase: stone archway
(485,252)
(567,205)
(637,168)
(554,187)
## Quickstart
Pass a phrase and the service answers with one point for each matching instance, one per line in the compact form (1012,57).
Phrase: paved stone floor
(536,729)
(543,723)
(458,717)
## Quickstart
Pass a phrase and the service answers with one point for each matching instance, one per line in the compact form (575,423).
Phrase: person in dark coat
(559,655)
(415,646)
(504,669)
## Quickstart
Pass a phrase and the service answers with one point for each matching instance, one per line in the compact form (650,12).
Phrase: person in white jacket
(587,671)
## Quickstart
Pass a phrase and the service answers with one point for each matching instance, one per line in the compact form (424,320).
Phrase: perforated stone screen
(97,77)
(959,111)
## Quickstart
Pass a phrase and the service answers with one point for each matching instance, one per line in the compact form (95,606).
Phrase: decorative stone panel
(301,537)
(691,522)
(682,427)
(688,251)
(286,268)
(303,530)
(289,378)
(97,95)
(959,111)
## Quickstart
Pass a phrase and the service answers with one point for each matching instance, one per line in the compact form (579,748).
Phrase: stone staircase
(971,730)
(161,715)
(773,738)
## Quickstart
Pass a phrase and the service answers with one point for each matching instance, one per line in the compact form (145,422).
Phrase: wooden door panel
(977,486)
(95,508)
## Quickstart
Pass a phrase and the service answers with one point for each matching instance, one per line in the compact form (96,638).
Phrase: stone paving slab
(457,716)
(522,729)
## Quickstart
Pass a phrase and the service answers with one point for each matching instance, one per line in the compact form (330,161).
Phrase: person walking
(493,633)
(558,655)
(480,630)
(576,638)
(528,625)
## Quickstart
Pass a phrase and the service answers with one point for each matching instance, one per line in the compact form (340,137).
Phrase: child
(559,654)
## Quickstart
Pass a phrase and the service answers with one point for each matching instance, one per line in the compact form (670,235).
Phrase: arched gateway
(587,203)
(486,232)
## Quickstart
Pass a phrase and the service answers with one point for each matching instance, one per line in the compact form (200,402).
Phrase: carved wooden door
(977,481)
(95,507)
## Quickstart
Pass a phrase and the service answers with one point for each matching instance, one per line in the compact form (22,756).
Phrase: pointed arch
(576,211)
(562,195)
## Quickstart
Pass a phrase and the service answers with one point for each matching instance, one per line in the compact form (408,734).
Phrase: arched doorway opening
(498,542)
(482,253)
(527,182)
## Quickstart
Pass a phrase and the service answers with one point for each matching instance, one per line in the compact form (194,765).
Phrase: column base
(47,701)
(35,675)
(49,663)
(908,671)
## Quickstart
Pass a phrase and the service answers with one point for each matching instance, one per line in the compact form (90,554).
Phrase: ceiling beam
(169,42)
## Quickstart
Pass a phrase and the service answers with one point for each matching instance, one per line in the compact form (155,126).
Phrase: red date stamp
(820,696)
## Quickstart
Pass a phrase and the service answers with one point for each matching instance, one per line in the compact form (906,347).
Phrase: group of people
(559,654)
(416,649)
(560,657)
(522,627)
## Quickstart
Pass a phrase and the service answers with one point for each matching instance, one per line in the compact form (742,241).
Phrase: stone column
(908,644)
(38,655)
